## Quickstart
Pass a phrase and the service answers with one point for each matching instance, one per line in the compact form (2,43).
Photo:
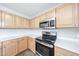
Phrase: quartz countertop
(70,44)
(10,37)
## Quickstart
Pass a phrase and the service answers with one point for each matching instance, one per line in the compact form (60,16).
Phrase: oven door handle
(45,44)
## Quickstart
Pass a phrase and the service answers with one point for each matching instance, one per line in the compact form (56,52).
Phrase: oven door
(44,24)
(44,50)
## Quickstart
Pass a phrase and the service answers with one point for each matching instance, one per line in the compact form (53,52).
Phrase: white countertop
(9,37)
(70,44)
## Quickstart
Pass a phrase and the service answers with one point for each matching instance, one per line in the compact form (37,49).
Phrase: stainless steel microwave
(51,23)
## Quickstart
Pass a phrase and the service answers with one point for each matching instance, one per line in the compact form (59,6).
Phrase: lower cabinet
(63,52)
(31,44)
(22,44)
(15,46)
(9,48)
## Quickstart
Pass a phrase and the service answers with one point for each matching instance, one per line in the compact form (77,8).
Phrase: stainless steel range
(45,44)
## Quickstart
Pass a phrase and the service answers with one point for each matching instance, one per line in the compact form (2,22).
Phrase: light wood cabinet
(18,22)
(66,15)
(63,52)
(15,46)
(25,23)
(42,17)
(37,22)
(76,14)
(50,14)
(7,20)
(22,44)
(21,22)
(9,47)
(34,23)
(31,44)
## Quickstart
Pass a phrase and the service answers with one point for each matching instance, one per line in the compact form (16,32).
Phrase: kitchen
(54,29)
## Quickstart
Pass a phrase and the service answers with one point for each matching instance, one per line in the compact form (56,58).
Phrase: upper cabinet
(25,23)
(7,20)
(76,14)
(18,22)
(37,20)
(66,15)
(50,14)
(34,23)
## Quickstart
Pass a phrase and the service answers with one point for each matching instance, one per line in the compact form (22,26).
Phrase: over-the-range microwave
(51,23)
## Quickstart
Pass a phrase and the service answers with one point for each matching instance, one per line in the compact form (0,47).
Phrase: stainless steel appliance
(51,23)
(45,44)
(44,49)
(49,36)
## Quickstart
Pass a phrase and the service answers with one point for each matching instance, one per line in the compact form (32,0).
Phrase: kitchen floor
(27,53)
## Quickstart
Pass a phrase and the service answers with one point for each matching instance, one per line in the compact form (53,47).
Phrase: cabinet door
(50,14)
(58,17)
(32,23)
(7,20)
(31,44)
(42,17)
(67,16)
(64,15)
(22,44)
(18,22)
(10,48)
(76,14)
(37,22)
(25,23)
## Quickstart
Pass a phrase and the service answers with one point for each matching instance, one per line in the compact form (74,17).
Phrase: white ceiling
(29,9)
